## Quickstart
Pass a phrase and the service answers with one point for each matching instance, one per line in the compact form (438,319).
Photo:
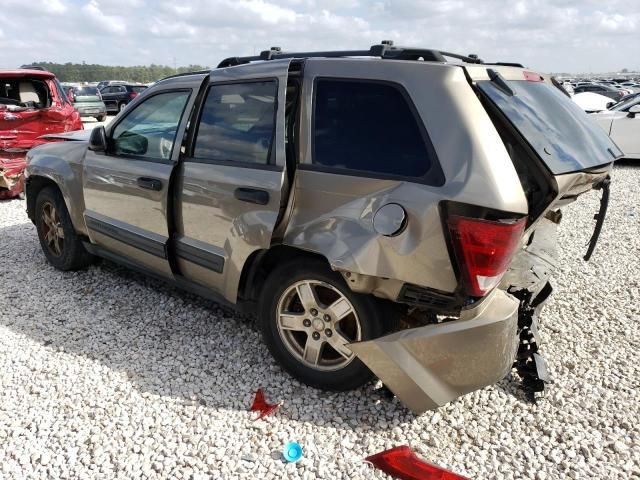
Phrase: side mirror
(98,139)
(631,113)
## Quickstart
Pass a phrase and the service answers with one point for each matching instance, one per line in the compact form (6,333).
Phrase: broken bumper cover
(12,165)
(429,366)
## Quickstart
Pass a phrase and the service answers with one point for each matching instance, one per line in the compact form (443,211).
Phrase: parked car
(106,83)
(117,97)
(32,103)
(605,90)
(88,101)
(622,124)
(592,102)
(370,232)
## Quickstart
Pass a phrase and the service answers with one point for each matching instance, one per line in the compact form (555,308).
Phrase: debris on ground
(292,452)
(261,405)
(400,462)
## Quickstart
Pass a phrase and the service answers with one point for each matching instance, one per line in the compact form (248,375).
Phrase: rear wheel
(58,239)
(308,315)
(101,118)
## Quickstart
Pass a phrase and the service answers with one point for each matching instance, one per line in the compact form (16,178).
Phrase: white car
(622,123)
(592,102)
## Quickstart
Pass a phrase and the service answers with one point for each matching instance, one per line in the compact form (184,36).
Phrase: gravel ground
(104,373)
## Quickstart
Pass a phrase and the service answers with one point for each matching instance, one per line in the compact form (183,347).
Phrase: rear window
(138,89)
(82,91)
(562,134)
(371,127)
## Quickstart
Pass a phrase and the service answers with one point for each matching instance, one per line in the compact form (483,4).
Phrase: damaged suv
(32,103)
(384,212)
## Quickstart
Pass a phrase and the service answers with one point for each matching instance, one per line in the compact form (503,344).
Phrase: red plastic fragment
(261,405)
(400,462)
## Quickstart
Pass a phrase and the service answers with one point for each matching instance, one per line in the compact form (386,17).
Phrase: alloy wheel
(52,229)
(316,322)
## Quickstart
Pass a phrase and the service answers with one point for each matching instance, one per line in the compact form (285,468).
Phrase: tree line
(81,72)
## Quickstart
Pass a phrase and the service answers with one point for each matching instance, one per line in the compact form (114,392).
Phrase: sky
(578,36)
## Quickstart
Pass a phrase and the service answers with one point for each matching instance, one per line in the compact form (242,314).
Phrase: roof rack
(385,50)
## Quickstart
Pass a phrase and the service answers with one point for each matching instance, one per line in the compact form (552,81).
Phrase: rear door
(127,189)
(231,185)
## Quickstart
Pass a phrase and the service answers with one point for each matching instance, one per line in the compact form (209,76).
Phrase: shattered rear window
(24,92)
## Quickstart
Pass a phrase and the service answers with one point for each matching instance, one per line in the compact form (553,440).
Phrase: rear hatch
(558,151)
(86,95)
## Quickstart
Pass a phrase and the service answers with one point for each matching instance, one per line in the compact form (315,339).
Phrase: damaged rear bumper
(429,366)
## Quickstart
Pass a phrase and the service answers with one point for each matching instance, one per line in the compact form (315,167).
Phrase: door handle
(252,195)
(149,183)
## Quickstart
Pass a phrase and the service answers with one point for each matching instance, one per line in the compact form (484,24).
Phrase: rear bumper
(429,366)
(91,110)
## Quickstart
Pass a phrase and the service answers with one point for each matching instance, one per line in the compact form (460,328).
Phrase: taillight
(133,95)
(483,250)
(532,76)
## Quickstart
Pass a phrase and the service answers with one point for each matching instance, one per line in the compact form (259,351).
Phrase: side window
(106,90)
(149,130)
(368,127)
(237,123)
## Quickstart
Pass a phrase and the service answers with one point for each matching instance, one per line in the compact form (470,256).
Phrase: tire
(101,118)
(67,253)
(369,319)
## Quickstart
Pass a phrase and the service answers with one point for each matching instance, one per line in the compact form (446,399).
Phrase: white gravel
(105,374)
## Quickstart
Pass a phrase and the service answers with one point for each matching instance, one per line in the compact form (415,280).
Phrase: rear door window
(556,127)
(237,123)
(370,127)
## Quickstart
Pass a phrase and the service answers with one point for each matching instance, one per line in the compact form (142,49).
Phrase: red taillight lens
(401,462)
(133,94)
(483,250)
(532,76)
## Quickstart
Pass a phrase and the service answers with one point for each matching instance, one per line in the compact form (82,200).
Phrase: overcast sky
(548,35)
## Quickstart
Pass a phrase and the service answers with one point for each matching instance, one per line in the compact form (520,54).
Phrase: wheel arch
(262,262)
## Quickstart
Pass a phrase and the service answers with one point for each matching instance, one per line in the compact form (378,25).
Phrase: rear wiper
(499,81)
(599,217)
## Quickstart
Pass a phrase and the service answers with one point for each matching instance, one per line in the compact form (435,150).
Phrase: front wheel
(58,239)
(309,315)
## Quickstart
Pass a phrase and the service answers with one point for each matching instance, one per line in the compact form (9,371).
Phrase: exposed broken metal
(529,364)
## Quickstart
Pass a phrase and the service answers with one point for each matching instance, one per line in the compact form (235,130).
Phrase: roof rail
(385,50)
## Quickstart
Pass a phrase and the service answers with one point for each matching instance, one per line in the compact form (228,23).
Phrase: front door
(231,185)
(126,189)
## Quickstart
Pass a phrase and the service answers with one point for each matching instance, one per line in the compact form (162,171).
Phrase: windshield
(556,128)
(85,91)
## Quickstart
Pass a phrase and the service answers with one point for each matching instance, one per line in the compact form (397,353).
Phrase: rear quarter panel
(332,214)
